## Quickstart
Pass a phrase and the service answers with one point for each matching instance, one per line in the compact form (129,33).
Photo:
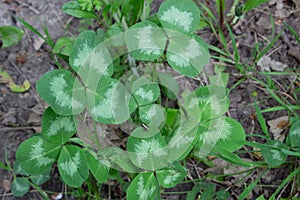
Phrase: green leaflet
(250,4)
(224,132)
(152,115)
(147,152)
(62,92)
(37,155)
(39,179)
(294,134)
(179,15)
(170,85)
(170,176)
(206,103)
(18,169)
(143,187)
(19,186)
(182,141)
(73,8)
(187,54)
(90,58)
(72,165)
(98,167)
(59,129)
(274,157)
(144,91)
(10,35)
(109,102)
(119,159)
(145,41)
(63,46)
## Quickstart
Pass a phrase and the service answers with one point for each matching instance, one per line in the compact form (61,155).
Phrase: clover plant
(161,137)
(276,152)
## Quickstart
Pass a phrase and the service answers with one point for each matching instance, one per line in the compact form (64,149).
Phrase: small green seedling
(10,35)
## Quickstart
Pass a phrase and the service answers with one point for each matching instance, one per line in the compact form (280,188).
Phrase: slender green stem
(94,186)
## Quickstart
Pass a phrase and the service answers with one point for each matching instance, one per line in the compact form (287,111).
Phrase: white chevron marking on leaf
(105,108)
(70,167)
(58,86)
(146,43)
(83,53)
(64,123)
(171,178)
(216,133)
(177,17)
(150,114)
(183,58)
(144,193)
(37,153)
(145,148)
(99,62)
(145,95)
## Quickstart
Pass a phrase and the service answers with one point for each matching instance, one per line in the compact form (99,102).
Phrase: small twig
(57,15)
(266,90)
(276,49)
(23,4)
(16,128)
(6,115)
(283,189)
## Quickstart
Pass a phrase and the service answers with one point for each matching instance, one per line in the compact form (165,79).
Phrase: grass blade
(277,108)
(31,28)
(285,181)
(266,49)
(261,121)
(218,50)
(3,166)
(208,11)
(274,95)
(247,191)
(293,32)
(44,195)
(234,46)
(49,40)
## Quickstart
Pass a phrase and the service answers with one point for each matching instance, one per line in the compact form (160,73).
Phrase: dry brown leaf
(277,126)
(6,184)
(264,21)
(266,64)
